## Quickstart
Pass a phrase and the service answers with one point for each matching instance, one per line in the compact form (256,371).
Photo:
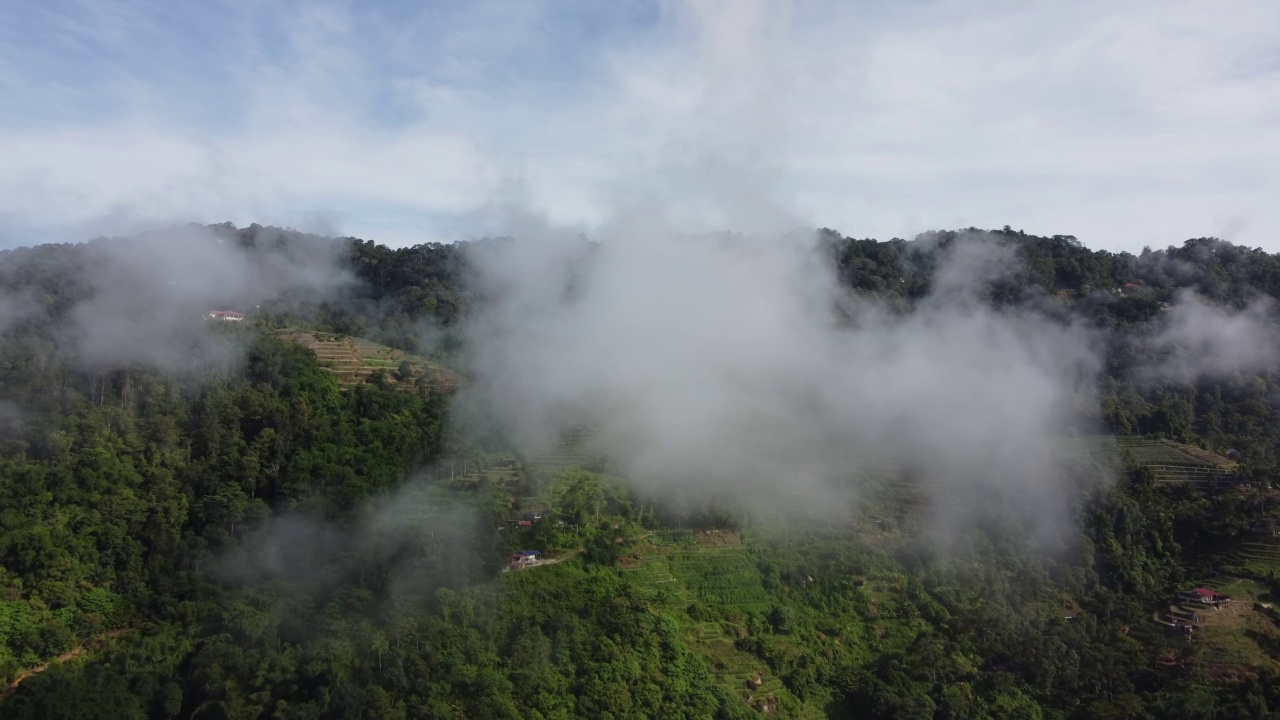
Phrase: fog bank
(736,368)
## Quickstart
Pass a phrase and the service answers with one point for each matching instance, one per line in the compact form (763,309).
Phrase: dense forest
(222,529)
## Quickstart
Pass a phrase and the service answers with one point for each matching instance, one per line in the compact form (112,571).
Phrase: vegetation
(260,540)
(352,361)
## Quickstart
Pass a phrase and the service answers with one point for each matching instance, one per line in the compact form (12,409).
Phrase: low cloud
(1196,338)
(415,540)
(146,299)
(15,307)
(11,417)
(735,368)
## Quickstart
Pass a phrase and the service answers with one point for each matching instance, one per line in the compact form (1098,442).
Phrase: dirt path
(71,654)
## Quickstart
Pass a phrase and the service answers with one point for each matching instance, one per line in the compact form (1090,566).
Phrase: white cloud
(1198,338)
(1123,123)
(716,366)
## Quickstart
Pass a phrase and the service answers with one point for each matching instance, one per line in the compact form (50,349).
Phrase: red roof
(1205,592)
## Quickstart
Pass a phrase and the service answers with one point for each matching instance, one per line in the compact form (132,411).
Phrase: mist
(14,307)
(732,367)
(146,299)
(11,418)
(1196,338)
(410,542)
(735,368)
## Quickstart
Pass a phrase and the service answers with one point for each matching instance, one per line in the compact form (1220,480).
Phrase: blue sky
(1126,124)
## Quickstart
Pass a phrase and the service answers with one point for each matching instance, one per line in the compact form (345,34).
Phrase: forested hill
(198,521)
(1062,265)
(400,289)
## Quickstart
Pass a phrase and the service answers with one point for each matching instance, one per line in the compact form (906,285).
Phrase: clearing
(1241,633)
(353,360)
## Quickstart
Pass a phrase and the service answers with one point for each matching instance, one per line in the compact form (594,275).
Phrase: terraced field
(507,475)
(1207,457)
(1168,461)
(353,360)
(680,570)
(1143,451)
(1256,558)
(573,450)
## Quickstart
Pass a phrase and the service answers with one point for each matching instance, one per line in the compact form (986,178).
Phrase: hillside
(1169,461)
(252,520)
(353,360)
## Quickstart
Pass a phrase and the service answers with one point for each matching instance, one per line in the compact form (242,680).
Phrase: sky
(1125,123)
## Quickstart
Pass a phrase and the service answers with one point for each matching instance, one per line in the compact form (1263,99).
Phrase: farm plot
(1207,457)
(1142,451)
(572,450)
(1168,461)
(671,538)
(724,577)
(352,360)
(1238,634)
(507,475)
(1256,559)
